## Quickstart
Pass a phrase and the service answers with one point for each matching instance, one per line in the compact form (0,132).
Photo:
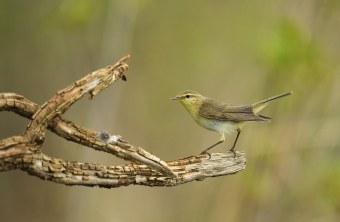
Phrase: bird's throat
(192,108)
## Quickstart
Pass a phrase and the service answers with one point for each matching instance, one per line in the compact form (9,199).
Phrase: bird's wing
(212,109)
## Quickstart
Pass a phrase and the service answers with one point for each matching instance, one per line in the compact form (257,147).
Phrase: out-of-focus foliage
(288,47)
(235,51)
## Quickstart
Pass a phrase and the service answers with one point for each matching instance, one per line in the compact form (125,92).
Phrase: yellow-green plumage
(221,117)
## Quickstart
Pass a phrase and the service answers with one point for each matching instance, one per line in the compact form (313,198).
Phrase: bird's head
(190,99)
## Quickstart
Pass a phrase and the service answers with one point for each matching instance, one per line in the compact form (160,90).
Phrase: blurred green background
(235,51)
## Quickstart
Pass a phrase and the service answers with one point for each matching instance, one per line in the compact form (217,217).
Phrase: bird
(221,117)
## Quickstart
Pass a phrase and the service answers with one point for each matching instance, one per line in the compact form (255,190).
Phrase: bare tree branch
(24,151)
(93,174)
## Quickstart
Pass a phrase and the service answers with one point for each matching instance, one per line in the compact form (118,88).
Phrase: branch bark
(25,151)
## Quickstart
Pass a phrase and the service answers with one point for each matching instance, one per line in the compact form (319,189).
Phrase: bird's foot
(234,152)
(206,153)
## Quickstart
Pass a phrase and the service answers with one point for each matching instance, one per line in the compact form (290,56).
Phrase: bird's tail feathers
(260,105)
(265,118)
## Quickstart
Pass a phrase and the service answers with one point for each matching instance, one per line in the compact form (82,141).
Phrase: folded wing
(212,109)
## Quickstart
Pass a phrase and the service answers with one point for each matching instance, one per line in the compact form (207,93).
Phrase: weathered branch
(93,174)
(24,151)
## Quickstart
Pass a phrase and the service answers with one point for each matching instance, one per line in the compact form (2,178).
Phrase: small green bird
(221,117)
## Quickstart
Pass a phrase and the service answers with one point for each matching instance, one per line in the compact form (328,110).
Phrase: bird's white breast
(220,126)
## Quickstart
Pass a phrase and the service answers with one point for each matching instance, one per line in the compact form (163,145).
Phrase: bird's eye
(187,96)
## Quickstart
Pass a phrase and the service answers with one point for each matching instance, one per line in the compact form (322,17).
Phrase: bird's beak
(174,98)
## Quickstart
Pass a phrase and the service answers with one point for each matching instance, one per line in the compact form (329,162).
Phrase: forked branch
(25,151)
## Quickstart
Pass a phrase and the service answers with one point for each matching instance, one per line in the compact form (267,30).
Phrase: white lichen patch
(140,179)
(93,84)
(80,178)
(107,138)
(113,138)
(37,164)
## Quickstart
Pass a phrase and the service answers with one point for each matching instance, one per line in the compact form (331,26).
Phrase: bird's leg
(222,139)
(233,148)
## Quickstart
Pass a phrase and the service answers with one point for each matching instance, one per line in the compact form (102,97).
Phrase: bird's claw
(206,153)
(234,152)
